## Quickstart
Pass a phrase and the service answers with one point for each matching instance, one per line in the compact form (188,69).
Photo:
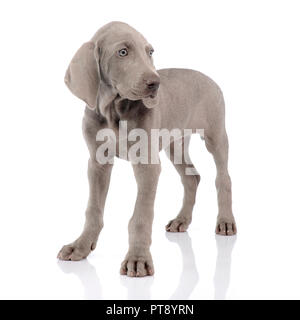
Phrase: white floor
(261,262)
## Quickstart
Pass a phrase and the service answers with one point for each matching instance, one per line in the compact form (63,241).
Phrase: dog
(115,76)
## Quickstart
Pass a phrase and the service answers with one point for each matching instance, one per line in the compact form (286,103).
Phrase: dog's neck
(121,109)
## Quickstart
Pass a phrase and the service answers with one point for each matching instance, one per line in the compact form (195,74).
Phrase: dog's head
(117,61)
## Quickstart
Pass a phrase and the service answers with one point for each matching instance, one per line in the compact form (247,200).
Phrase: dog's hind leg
(190,180)
(217,145)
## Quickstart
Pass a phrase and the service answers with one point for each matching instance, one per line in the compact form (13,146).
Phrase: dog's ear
(83,78)
(106,92)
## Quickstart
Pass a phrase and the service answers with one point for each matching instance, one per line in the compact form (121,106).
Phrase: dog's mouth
(152,94)
(135,94)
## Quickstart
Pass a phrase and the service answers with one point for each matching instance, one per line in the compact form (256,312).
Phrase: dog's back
(191,99)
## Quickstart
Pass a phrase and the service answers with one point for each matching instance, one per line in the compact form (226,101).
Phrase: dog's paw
(226,227)
(76,251)
(137,265)
(180,224)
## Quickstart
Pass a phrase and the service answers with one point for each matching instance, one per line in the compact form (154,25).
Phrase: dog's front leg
(99,177)
(138,261)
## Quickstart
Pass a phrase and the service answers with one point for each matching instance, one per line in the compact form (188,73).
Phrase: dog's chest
(127,119)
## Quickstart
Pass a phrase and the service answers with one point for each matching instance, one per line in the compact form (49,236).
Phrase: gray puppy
(114,74)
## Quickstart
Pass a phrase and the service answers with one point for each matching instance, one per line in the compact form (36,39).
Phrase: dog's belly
(147,147)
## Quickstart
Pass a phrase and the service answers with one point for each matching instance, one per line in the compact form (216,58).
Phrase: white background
(251,49)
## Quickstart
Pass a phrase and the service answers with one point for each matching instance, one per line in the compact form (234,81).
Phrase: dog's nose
(153,85)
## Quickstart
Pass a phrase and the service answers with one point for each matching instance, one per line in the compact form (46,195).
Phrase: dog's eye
(123,52)
(151,52)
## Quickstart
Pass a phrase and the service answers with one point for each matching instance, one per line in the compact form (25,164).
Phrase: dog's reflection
(189,274)
(138,288)
(222,273)
(87,275)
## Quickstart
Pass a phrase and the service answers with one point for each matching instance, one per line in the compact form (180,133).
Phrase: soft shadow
(137,288)
(189,274)
(223,265)
(87,275)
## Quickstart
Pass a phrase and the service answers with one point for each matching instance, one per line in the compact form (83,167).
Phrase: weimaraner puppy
(114,75)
